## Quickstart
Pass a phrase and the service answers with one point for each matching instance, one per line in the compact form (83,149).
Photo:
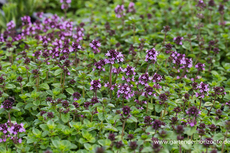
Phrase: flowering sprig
(120,11)
(114,56)
(95,44)
(151,55)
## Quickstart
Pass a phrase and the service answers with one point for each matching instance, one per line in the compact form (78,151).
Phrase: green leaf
(70,91)
(44,86)
(159,108)
(58,71)
(132,118)
(190,130)
(218,136)
(51,124)
(10,86)
(101,116)
(208,104)
(36,132)
(110,128)
(56,143)
(186,146)
(104,142)
(65,117)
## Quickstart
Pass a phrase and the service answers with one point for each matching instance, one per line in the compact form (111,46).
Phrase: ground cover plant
(117,76)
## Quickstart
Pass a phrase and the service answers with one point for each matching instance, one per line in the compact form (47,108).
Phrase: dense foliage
(120,76)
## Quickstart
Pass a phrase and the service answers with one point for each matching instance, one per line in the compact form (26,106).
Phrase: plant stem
(147,106)
(222,150)
(9,118)
(63,84)
(110,81)
(200,103)
(165,110)
(212,105)
(123,128)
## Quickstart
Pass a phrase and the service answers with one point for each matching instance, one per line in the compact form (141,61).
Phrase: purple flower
(212,127)
(207,142)
(219,90)
(133,145)
(178,40)
(113,56)
(76,104)
(99,65)
(119,144)
(157,124)
(201,4)
(1,79)
(157,77)
(120,11)
(156,146)
(193,111)
(147,120)
(148,91)
(203,90)
(7,104)
(162,97)
(3,128)
(200,67)
(125,90)
(95,45)
(76,96)
(177,109)
(179,129)
(129,71)
(16,128)
(42,113)
(174,120)
(131,8)
(65,104)
(143,79)
(95,85)
(10,25)
(151,55)
(111,136)
(201,132)
(192,122)
(50,115)
(126,110)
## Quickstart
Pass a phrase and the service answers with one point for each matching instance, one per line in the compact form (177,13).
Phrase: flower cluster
(219,91)
(203,88)
(148,91)
(129,72)
(200,66)
(125,91)
(99,65)
(126,110)
(95,45)
(95,85)
(193,111)
(114,55)
(7,104)
(178,40)
(76,95)
(65,4)
(131,8)
(143,79)
(140,103)
(13,130)
(151,55)
(120,11)
(157,124)
(157,77)
(180,60)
